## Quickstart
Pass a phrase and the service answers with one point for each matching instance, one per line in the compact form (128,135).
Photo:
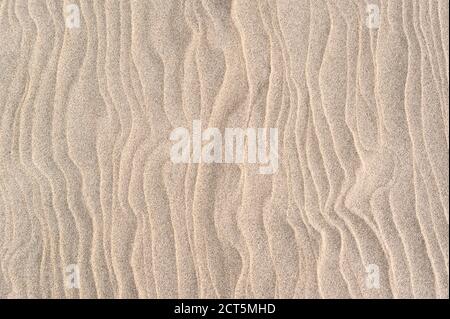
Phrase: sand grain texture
(86,176)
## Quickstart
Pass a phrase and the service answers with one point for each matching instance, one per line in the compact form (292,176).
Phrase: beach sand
(92,206)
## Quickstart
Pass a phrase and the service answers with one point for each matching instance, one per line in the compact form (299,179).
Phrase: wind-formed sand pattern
(91,205)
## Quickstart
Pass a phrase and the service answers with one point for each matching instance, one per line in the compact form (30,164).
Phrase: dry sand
(86,177)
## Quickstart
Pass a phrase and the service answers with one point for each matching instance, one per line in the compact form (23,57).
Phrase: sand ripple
(86,178)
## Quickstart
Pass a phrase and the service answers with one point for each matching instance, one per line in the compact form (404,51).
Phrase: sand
(91,205)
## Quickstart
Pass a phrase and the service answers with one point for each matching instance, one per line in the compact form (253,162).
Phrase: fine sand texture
(93,206)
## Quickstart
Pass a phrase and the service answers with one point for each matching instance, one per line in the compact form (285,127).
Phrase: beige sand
(86,177)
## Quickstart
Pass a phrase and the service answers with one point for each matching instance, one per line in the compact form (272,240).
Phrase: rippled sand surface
(359,207)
